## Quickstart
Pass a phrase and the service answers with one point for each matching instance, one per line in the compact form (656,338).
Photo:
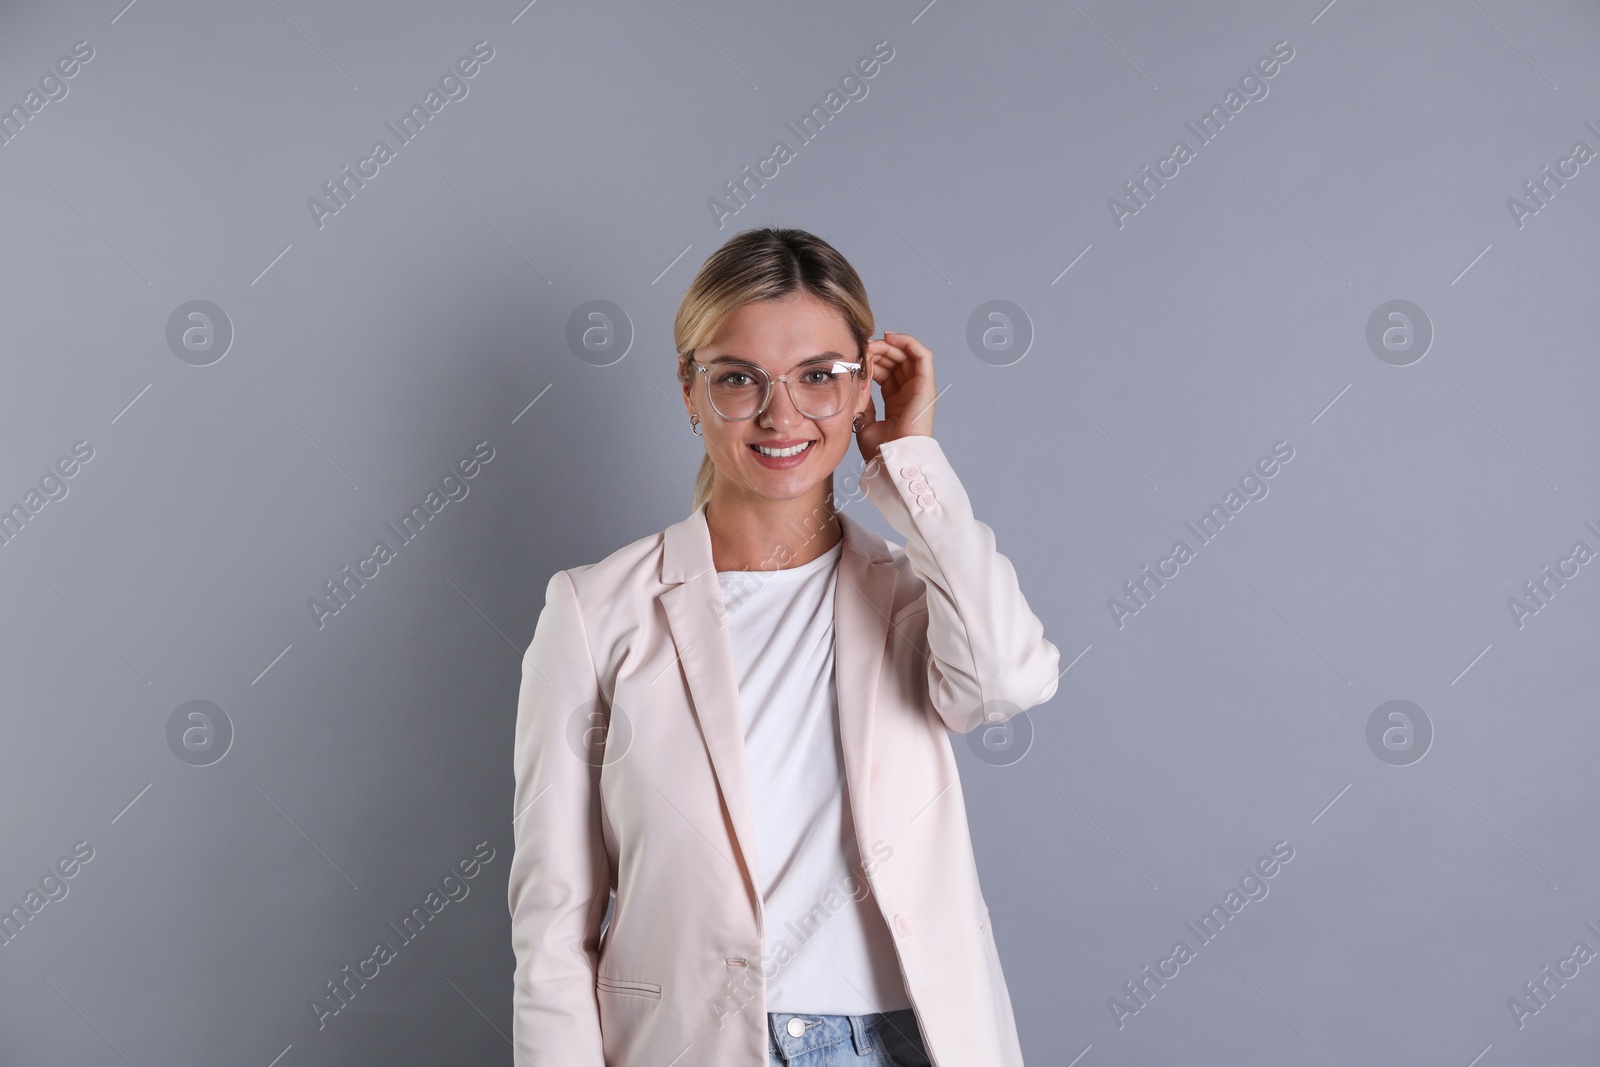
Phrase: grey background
(370,355)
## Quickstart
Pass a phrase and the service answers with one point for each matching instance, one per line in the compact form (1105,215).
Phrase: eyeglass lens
(819,389)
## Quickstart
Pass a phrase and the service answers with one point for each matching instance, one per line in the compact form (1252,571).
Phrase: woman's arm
(987,656)
(986,651)
(560,880)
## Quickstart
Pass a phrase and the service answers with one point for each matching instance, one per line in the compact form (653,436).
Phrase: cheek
(722,442)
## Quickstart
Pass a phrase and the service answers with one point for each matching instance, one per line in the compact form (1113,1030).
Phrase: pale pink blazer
(930,638)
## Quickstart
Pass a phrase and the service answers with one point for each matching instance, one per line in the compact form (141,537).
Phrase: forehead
(783,332)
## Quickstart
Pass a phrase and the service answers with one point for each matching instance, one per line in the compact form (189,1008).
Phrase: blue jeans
(885,1039)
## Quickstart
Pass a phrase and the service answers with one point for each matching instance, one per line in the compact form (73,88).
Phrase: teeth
(795,451)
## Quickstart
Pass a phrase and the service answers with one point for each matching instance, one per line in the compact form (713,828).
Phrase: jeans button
(796,1028)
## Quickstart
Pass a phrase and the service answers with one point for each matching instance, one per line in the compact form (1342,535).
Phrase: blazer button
(920,485)
(910,472)
(926,500)
(902,926)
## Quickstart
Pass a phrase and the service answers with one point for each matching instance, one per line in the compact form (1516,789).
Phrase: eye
(818,373)
(730,376)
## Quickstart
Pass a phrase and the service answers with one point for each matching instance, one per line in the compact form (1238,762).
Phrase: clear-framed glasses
(819,389)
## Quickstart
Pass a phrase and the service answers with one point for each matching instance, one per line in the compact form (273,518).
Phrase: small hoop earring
(694,423)
(855,424)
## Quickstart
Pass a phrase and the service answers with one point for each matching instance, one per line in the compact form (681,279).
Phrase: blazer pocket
(627,988)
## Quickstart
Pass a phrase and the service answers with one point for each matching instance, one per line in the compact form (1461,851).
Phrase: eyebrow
(833,356)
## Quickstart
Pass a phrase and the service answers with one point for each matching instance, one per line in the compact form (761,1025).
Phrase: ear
(866,384)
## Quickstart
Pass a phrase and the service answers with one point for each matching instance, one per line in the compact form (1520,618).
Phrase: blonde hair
(764,264)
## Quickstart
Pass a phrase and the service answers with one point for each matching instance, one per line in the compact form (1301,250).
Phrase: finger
(914,349)
(911,359)
(886,348)
(918,350)
(882,352)
(891,361)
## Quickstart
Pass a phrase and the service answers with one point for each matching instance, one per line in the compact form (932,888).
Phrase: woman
(735,732)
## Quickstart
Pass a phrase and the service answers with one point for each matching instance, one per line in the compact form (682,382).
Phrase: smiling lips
(782,455)
(792,449)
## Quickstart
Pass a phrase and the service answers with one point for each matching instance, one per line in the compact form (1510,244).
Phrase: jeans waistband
(823,1030)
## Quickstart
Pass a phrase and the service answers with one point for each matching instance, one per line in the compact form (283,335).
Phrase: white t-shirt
(818,960)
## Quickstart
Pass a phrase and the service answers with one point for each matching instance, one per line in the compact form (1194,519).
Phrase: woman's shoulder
(625,566)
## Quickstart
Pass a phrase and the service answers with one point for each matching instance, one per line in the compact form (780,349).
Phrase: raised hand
(903,368)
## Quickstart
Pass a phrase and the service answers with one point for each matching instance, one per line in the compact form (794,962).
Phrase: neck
(765,534)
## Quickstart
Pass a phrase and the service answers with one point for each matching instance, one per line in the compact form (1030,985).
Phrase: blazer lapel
(694,608)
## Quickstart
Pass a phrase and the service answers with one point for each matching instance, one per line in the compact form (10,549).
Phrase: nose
(780,409)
